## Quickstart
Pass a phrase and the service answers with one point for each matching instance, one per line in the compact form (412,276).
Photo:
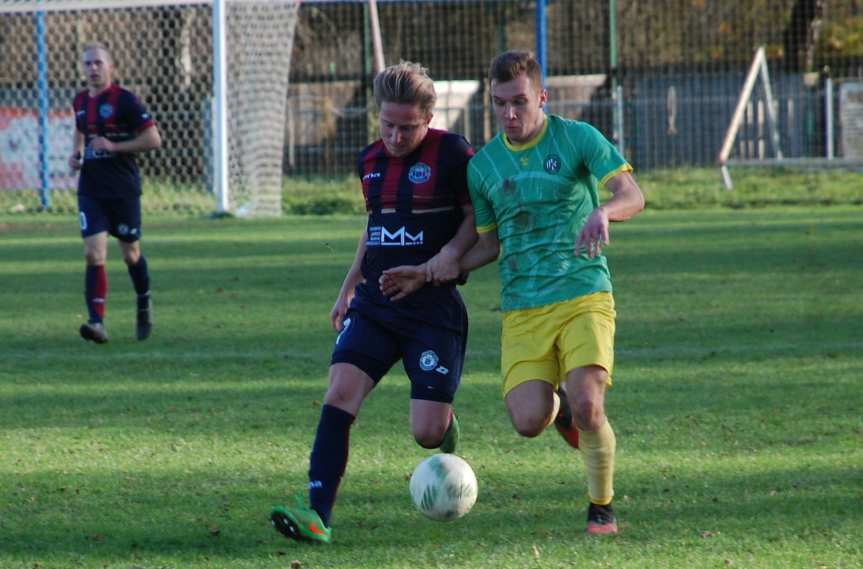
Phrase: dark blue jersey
(118,115)
(415,207)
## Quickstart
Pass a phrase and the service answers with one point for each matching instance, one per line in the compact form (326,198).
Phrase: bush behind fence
(679,65)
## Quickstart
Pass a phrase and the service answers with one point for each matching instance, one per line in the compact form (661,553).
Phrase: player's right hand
(398,282)
(337,315)
(75,161)
(340,309)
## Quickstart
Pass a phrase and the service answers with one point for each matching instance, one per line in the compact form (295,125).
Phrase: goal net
(213,73)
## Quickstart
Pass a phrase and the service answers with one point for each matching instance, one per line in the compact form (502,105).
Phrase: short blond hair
(91,45)
(405,82)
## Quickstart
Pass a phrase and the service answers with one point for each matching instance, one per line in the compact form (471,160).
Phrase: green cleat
(450,438)
(300,523)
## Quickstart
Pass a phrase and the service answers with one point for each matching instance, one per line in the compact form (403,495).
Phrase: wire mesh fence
(661,78)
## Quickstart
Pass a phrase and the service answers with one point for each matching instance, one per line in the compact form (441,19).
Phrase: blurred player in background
(111,126)
(534,190)
(414,184)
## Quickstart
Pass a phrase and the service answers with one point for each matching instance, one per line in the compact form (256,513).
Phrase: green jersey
(538,196)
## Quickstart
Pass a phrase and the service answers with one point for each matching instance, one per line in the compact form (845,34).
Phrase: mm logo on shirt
(381,237)
(419,173)
(106,110)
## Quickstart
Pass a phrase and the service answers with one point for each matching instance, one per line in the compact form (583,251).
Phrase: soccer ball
(443,487)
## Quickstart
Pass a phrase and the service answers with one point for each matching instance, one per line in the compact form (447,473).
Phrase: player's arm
(77,150)
(444,266)
(398,282)
(485,250)
(147,139)
(352,279)
(626,201)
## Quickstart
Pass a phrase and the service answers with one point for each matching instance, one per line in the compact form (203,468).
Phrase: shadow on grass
(140,515)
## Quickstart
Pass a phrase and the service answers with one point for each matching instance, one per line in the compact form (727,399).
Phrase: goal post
(214,74)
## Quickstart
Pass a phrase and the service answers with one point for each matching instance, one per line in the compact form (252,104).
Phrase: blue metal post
(44,108)
(542,36)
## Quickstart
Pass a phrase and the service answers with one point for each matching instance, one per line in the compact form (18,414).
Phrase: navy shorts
(121,217)
(432,357)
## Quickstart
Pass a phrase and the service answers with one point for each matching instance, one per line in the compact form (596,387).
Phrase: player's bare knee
(529,425)
(589,414)
(131,256)
(94,258)
(429,436)
(344,397)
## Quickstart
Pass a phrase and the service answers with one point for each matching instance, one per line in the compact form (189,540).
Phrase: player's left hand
(102,143)
(398,282)
(594,234)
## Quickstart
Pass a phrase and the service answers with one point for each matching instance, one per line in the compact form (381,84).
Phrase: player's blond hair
(90,45)
(510,64)
(408,83)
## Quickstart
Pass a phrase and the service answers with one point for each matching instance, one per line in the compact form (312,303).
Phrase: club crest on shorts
(419,173)
(123,229)
(428,360)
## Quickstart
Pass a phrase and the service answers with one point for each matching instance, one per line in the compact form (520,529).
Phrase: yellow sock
(598,449)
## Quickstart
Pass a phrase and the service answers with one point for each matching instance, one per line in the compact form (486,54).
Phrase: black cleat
(94,332)
(144,322)
(601,520)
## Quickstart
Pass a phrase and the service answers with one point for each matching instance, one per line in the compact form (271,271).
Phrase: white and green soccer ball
(443,487)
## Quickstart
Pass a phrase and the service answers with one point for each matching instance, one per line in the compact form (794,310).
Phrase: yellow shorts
(547,342)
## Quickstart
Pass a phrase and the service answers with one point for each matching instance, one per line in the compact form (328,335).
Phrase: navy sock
(141,280)
(329,459)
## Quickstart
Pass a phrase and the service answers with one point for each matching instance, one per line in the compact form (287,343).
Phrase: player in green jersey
(534,191)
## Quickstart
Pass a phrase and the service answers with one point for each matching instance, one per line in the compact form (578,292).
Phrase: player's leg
(586,388)
(532,406)
(433,357)
(363,354)
(434,423)
(126,225)
(587,346)
(94,231)
(530,369)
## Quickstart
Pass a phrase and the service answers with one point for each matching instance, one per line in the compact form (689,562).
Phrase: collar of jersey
(530,143)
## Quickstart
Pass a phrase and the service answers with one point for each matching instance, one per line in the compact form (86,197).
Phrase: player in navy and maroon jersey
(111,125)
(419,211)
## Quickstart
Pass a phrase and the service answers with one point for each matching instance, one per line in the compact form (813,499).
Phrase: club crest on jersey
(106,110)
(428,360)
(419,173)
(552,163)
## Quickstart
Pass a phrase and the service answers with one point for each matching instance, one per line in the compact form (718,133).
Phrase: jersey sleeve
(458,178)
(80,113)
(138,116)
(598,154)
(482,210)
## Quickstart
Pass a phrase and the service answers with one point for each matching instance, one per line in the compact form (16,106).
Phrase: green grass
(683,188)
(737,405)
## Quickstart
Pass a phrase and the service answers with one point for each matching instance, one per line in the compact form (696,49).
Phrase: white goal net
(213,73)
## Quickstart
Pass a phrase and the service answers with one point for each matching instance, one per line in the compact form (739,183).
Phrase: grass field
(737,405)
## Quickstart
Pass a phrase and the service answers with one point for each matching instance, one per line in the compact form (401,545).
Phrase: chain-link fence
(167,53)
(661,78)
